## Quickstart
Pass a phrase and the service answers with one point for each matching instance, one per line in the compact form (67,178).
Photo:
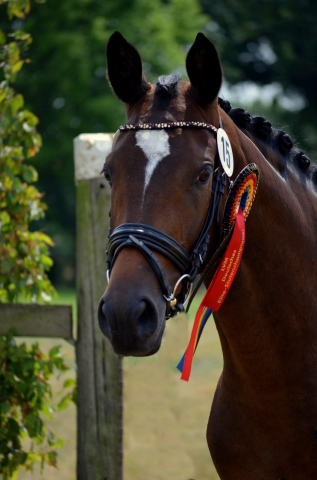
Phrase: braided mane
(277,139)
(259,127)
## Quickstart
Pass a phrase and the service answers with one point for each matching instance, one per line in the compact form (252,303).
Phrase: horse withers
(162,168)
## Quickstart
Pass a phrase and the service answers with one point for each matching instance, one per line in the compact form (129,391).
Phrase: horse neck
(269,314)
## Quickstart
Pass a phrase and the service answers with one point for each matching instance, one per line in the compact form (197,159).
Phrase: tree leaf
(51,458)
(64,402)
(54,352)
(70,382)
(15,68)
(45,238)
(16,103)
(30,174)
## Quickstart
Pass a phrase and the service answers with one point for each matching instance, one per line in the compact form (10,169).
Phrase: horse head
(164,170)
(161,180)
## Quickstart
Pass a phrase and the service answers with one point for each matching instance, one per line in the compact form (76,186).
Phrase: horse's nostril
(103,321)
(130,323)
(147,319)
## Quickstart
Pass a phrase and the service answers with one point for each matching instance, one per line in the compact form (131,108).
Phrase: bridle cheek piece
(146,238)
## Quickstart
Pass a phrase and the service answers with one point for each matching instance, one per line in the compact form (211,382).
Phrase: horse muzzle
(131,313)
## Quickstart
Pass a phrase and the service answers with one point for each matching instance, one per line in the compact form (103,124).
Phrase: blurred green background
(267,49)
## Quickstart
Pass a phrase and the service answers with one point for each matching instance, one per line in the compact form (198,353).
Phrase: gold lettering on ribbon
(231,268)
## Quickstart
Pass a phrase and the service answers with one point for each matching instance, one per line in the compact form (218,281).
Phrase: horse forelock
(167,85)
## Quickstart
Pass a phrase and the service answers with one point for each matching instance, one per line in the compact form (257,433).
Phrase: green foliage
(24,255)
(25,398)
(66,86)
(271,41)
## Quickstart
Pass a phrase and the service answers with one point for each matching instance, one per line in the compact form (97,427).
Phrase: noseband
(146,238)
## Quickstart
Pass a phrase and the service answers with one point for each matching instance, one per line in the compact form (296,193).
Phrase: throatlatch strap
(216,292)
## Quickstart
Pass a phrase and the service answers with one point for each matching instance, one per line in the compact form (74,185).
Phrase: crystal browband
(159,126)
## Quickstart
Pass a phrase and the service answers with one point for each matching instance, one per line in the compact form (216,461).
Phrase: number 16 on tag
(225,151)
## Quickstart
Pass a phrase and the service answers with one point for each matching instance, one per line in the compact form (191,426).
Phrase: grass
(67,296)
(164,418)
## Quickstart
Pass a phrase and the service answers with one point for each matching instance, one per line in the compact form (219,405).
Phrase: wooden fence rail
(29,320)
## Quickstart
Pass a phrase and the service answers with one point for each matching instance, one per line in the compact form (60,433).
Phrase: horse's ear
(204,69)
(125,69)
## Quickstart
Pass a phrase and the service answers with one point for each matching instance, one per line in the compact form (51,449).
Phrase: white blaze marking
(155,146)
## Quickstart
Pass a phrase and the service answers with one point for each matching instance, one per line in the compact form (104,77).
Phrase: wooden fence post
(99,421)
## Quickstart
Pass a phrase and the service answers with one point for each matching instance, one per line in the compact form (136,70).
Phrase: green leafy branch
(24,255)
(25,398)
(18,8)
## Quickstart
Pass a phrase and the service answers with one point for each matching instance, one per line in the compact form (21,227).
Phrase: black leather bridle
(148,239)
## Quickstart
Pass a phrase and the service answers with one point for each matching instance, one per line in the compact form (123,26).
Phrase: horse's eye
(107,175)
(204,176)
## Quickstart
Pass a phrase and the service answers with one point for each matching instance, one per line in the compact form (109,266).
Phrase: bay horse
(263,420)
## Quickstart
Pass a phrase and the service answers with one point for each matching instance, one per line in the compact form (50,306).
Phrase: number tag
(225,151)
